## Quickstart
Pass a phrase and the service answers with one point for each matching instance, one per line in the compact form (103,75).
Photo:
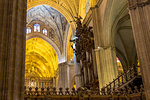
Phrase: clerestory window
(36,27)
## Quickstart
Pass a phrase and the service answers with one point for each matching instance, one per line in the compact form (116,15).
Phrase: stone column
(66,75)
(71,70)
(104,53)
(140,18)
(63,82)
(107,70)
(12,49)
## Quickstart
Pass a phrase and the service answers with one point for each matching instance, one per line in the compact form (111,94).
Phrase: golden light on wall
(119,65)
(41,59)
(69,48)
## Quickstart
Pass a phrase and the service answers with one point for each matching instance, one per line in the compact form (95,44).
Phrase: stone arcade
(74,49)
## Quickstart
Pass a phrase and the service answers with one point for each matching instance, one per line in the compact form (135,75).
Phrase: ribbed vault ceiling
(124,42)
(69,8)
(41,59)
(51,18)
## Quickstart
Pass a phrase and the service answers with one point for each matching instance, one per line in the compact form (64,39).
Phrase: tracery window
(28,30)
(45,31)
(36,27)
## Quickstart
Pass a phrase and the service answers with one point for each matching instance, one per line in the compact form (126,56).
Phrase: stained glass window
(44,31)
(28,30)
(36,27)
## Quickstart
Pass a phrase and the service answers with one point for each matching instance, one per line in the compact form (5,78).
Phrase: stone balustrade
(83,94)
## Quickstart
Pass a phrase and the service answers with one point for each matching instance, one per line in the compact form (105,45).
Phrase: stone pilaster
(104,53)
(140,19)
(96,26)
(66,75)
(12,49)
(71,75)
(63,75)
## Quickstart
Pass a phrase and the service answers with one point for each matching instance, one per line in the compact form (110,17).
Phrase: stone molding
(133,4)
(88,16)
(66,63)
(104,48)
(63,64)
(98,3)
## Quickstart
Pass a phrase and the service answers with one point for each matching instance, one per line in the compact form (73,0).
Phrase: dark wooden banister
(122,79)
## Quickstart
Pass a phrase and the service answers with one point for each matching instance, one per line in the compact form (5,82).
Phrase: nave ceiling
(56,22)
(68,8)
(41,59)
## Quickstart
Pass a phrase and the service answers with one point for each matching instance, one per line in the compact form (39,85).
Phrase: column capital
(133,4)
(63,64)
(104,48)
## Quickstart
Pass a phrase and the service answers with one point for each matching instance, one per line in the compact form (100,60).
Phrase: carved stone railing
(38,82)
(83,94)
(48,91)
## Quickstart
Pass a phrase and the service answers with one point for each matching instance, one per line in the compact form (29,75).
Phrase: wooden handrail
(121,80)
